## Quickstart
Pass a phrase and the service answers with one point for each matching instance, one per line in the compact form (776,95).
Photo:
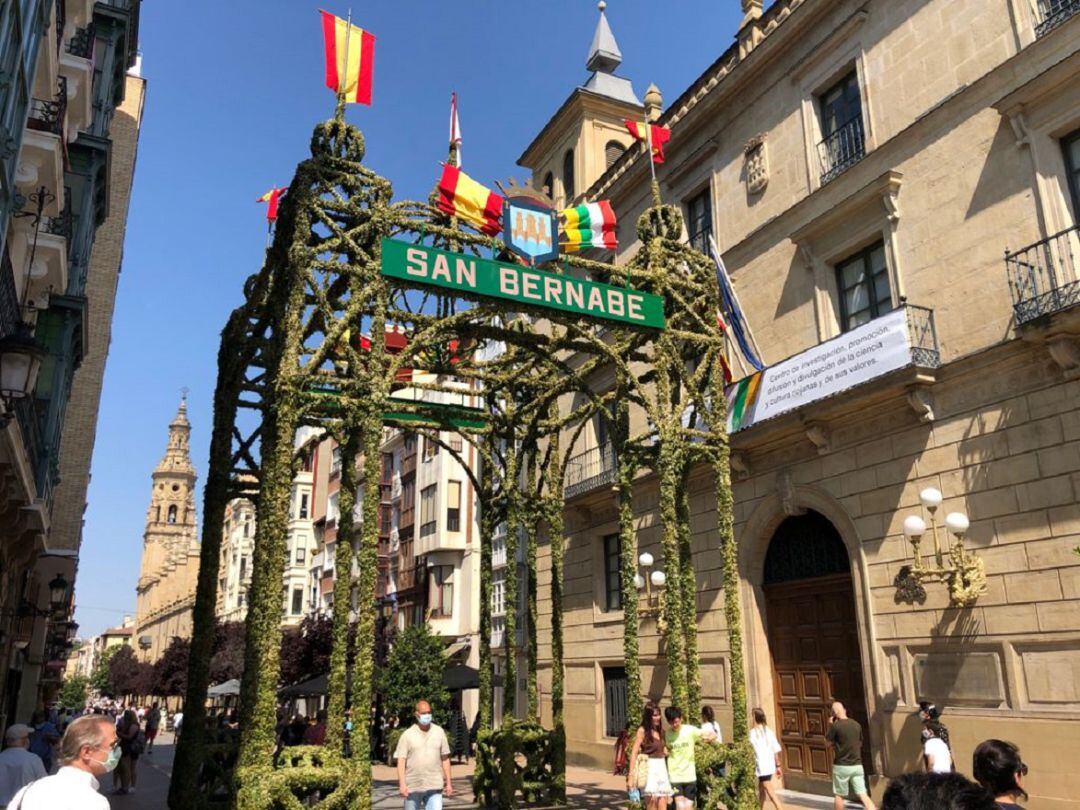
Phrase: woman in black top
(996,765)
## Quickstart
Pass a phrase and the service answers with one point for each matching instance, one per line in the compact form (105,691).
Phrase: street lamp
(58,591)
(20,362)
(964,573)
(650,580)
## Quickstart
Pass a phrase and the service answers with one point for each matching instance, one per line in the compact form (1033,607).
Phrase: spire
(181,420)
(604,55)
(177,459)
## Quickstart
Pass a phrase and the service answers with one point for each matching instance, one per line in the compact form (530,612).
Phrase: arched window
(549,185)
(568,176)
(172,514)
(157,515)
(612,150)
(804,547)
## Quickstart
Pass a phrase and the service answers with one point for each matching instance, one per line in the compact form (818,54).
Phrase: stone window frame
(831,60)
(869,215)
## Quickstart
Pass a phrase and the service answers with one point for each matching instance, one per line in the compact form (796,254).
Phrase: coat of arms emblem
(530,229)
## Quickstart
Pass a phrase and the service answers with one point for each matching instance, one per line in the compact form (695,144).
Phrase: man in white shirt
(88,749)
(18,767)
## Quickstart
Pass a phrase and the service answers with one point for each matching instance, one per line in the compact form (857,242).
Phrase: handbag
(641,770)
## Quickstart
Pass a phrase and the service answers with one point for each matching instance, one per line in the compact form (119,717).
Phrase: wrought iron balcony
(1053,13)
(82,43)
(589,470)
(1043,276)
(48,116)
(923,336)
(10,313)
(59,225)
(842,149)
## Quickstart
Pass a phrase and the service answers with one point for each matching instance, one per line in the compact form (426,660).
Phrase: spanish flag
(591,225)
(462,197)
(273,197)
(656,135)
(350,57)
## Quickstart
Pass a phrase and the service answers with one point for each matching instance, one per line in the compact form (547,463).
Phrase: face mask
(425,719)
(111,761)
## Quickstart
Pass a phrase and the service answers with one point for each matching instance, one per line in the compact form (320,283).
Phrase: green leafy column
(511,490)
(688,597)
(489,522)
(535,513)
(625,469)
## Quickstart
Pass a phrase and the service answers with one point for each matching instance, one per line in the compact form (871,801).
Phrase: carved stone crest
(757,164)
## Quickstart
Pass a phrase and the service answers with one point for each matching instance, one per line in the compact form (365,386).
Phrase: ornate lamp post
(649,581)
(964,572)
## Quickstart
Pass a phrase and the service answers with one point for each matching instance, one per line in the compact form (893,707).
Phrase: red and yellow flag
(350,57)
(273,198)
(656,135)
(462,197)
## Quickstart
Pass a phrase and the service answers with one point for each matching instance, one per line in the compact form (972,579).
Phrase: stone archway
(754,538)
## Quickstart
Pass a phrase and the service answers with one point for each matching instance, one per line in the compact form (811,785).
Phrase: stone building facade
(853,158)
(170,558)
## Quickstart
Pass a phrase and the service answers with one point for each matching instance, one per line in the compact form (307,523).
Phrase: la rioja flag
(350,58)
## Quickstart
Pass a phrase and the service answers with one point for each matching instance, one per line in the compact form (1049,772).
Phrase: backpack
(138,744)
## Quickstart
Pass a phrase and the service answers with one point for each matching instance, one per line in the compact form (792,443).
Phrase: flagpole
(735,296)
(652,163)
(339,113)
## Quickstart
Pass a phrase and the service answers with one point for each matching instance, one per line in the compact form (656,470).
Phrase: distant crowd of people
(661,771)
(69,743)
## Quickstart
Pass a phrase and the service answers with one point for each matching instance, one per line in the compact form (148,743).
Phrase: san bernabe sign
(475,277)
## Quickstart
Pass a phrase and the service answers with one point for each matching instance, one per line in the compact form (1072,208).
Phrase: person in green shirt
(680,740)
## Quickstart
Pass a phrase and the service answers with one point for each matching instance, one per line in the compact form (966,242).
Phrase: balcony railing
(1043,276)
(48,116)
(10,314)
(82,43)
(589,470)
(59,225)
(1053,13)
(923,336)
(842,149)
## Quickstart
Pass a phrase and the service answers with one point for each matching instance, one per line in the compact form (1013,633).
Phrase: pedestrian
(88,750)
(18,767)
(423,763)
(936,791)
(650,774)
(847,773)
(153,723)
(996,765)
(708,722)
(315,734)
(682,772)
(132,742)
(44,739)
(937,757)
(177,725)
(767,755)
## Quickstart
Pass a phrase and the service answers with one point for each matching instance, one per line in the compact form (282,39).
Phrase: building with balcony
(69,125)
(863,168)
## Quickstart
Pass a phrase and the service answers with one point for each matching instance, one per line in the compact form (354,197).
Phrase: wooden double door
(814,644)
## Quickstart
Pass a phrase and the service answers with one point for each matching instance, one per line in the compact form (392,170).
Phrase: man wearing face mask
(88,750)
(423,763)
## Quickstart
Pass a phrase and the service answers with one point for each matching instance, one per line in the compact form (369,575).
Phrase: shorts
(848,777)
(688,790)
(151,733)
(766,778)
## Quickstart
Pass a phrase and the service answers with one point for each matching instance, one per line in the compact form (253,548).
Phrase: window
(172,514)
(243,568)
(441,591)
(157,514)
(498,592)
(333,510)
(409,444)
(612,573)
(303,506)
(1070,145)
(387,468)
(455,442)
(612,150)
(549,185)
(297,601)
(300,552)
(408,503)
(863,281)
(614,701)
(453,506)
(335,461)
(247,528)
(429,497)
(699,220)
(431,449)
(842,138)
(568,176)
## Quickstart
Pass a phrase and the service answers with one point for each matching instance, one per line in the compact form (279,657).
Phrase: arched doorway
(813,643)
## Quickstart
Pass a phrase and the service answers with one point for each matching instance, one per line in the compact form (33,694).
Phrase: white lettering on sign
(552,291)
(508,281)
(575,294)
(416,262)
(466,272)
(441,270)
(596,300)
(530,286)
(633,306)
(616,302)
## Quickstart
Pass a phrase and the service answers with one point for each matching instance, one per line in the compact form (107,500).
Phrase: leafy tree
(73,691)
(99,678)
(414,672)
(228,660)
(170,671)
(123,678)
(305,650)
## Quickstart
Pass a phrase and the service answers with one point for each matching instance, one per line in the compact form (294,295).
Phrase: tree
(305,650)
(170,671)
(73,691)
(415,672)
(99,678)
(228,660)
(123,677)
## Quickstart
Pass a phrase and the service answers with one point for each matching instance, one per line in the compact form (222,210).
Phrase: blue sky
(234,89)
